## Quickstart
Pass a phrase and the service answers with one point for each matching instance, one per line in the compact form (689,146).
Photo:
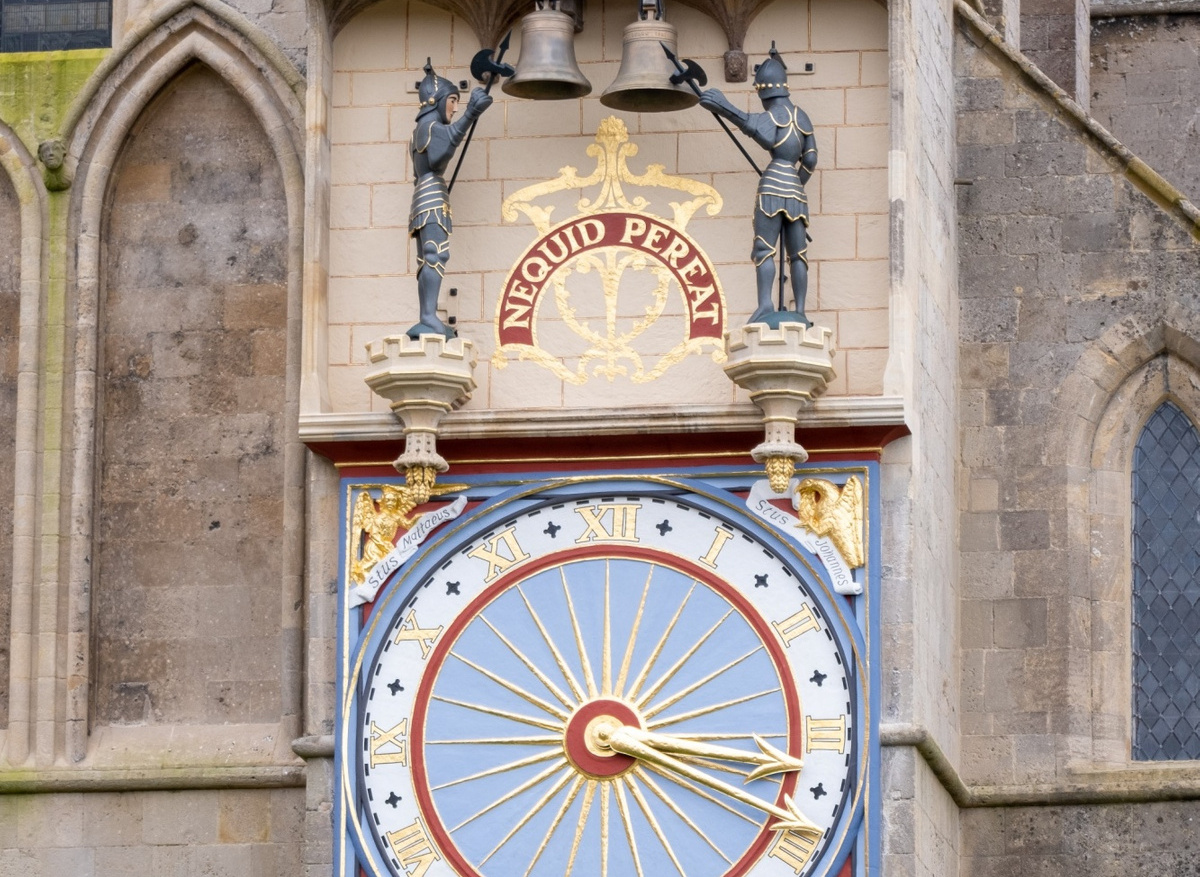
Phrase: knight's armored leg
(797,244)
(763,255)
(435,252)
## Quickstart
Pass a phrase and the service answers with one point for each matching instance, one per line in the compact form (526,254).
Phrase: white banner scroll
(405,548)
(787,524)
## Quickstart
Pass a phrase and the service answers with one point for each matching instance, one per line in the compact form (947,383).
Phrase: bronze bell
(643,84)
(546,69)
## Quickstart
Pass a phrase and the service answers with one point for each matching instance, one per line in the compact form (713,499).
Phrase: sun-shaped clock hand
(645,747)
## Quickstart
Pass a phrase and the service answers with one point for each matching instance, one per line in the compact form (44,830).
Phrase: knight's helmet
(433,91)
(770,77)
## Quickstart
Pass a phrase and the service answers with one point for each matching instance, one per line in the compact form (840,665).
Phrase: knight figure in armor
(434,141)
(781,211)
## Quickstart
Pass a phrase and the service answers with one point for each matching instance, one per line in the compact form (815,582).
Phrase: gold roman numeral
(825,734)
(413,848)
(495,560)
(397,737)
(624,522)
(422,636)
(793,849)
(720,537)
(800,623)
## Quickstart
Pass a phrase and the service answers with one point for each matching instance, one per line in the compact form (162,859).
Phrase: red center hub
(583,748)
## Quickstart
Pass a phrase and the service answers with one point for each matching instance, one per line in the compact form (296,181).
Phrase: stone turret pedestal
(423,379)
(784,370)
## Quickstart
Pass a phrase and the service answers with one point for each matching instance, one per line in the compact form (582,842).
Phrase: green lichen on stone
(38,88)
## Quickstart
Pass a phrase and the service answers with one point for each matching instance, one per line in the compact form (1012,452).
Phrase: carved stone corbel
(784,370)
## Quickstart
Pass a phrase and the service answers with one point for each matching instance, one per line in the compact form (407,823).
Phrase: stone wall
(1113,840)
(227,833)
(187,606)
(10,289)
(1146,90)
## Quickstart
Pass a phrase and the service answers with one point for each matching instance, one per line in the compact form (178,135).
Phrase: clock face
(626,684)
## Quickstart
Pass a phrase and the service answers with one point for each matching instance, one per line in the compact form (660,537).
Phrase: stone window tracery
(40,26)
(1166,588)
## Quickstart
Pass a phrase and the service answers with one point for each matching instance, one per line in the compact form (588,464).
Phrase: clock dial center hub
(588,732)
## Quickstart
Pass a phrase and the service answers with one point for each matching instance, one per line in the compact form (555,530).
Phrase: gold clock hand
(769,759)
(625,739)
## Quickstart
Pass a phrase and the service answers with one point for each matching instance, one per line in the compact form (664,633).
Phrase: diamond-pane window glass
(41,26)
(1166,589)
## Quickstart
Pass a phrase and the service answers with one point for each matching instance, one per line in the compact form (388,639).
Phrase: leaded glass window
(1166,588)
(33,26)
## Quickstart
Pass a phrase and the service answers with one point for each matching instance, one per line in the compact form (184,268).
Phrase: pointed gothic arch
(212,34)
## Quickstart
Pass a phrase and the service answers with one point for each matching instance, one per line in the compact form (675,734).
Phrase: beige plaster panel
(372,289)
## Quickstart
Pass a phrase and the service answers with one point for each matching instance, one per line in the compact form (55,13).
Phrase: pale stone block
(349,206)
(875,68)
(727,243)
(370,299)
(368,41)
(538,159)
(112,820)
(863,328)
(695,380)
(523,385)
(340,95)
(983,495)
(477,202)
(826,107)
(366,251)
(833,70)
(853,191)
(856,285)
(839,386)
(834,237)
(865,371)
(539,118)
(384,89)
(848,25)
(867,106)
(486,248)
(50,821)
(391,206)
(785,22)
(360,336)
(244,816)
(348,390)
(171,818)
(862,146)
(873,235)
(127,861)
(358,125)
(711,152)
(700,37)
(367,164)
(430,33)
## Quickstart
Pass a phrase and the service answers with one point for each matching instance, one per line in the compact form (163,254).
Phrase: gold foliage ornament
(374,526)
(825,509)
(612,271)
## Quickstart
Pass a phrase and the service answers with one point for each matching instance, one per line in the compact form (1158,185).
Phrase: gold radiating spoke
(558,818)
(558,658)
(675,698)
(724,768)
(503,714)
(662,796)
(662,642)
(533,811)
(703,711)
(605,788)
(504,768)
(702,736)
(540,740)
(525,786)
(588,679)
(687,656)
(702,792)
(515,689)
(606,659)
(583,818)
(637,623)
(645,808)
(563,699)
(623,808)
